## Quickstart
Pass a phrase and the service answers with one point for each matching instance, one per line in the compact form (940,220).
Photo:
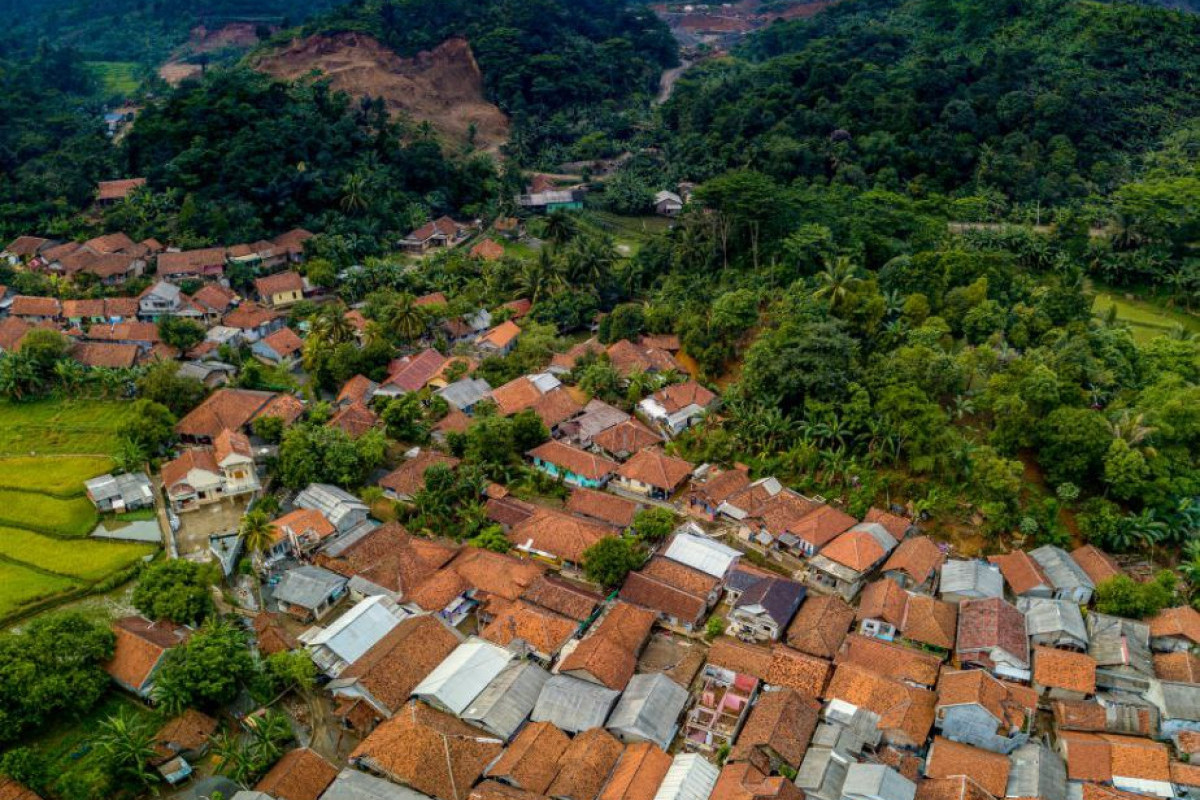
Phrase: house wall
(568,477)
(972,724)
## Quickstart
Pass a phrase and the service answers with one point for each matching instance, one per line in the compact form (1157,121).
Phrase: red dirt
(443,86)
(242,35)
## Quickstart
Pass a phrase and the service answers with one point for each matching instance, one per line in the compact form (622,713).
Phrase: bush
(1122,596)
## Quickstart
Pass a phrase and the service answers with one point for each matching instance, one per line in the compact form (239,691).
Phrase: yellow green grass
(21,586)
(88,559)
(1145,319)
(61,427)
(117,77)
(61,476)
(46,514)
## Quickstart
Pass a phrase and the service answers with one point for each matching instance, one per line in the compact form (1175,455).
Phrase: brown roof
(415,372)
(11,790)
(978,687)
(820,626)
(905,663)
(650,592)
(1185,774)
(795,670)
(395,664)
(883,599)
(495,574)
(856,549)
(556,407)
(355,390)
(30,306)
(409,477)
(284,341)
(783,722)
(1181,621)
(189,731)
(516,395)
(130,331)
(139,647)
(355,420)
(271,634)
(500,336)
(1088,757)
(1188,742)
(1079,715)
(214,296)
(508,511)
(718,487)
(279,283)
(601,659)
(820,526)
(558,595)
(175,471)
(918,557)
(118,189)
(929,621)
(606,507)
(744,781)
(1179,667)
(113,355)
(679,396)
(905,712)
(558,533)
(286,407)
(390,557)
(783,510)
(960,787)
(580,462)
(292,241)
(494,790)
(302,774)
(12,331)
(627,625)
(662,341)
(628,358)
(429,751)
(25,246)
(209,259)
(571,357)
(111,243)
(1021,571)
(638,774)
(1062,669)
(948,759)
(249,316)
(488,250)
(741,657)
(532,758)
(431,299)
(586,765)
(629,436)
(73,309)
(992,622)
(1135,757)
(655,468)
(223,409)
(894,524)
(545,631)
(1098,565)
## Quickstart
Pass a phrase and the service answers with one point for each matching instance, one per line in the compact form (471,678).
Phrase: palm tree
(332,326)
(1131,429)
(233,760)
(257,533)
(354,193)
(407,317)
(541,276)
(271,731)
(835,280)
(560,227)
(127,744)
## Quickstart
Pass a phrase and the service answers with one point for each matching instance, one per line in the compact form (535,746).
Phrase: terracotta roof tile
(782,512)
(500,336)
(638,774)
(284,341)
(1061,669)
(558,533)
(781,721)
(1021,571)
(301,774)
(249,316)
(11,790)
(1181,621)
(1188,742)
(565,598)
(991,622)
(918,557)
(532,758)
(586,765)
(904,663)
(494,790)
(821,525)
(894,524)
(188,731)
(820,626)
(978,687)
(929,621)
(413,373)
(742,657)
(630,436)
(278,283)
(354,420)
(1185,774)
(395,664)
(271,635)
(856,549)
(657,469)
(139,647)
(543,630)
(948,759)
(673,602)
(1088,756)
(678,396)
(113,355)
(958,788)
(516,395)
(906,713)
(600,659)
(429,751)
(580,462)
(799,671)
(606,507)
(1180,667)
(409,478)
(1135,757)
(223,409)
(744,781)
(1079,715)
(718,487)
(556,407)
(883,599)
(1098,565)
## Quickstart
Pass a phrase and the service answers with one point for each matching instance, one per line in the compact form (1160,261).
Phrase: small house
(652,473)
(281,348)
(341,508)
(1054,623)
(139,649)
(1175,629)
(572,704)
(442,232)
(648,710)
(970,580)
(463,675)
(915,564)
(677,407)
(506,703)
(1062,674)
(667,204)
(844,564)
(307,592)
(991,635)
(1069,580)
(976,709)
(572,465)
(764,610)
(281,290)
(117,494)
(1024,575)
(500,340)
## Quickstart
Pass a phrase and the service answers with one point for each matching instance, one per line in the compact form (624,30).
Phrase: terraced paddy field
(47,450)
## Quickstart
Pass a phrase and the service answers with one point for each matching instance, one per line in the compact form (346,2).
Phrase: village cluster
(772,646)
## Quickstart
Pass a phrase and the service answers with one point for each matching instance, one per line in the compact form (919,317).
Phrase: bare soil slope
(442,86)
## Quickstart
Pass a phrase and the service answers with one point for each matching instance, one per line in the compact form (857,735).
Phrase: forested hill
(1042,100)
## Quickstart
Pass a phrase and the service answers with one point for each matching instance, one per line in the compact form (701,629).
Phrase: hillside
(442,86)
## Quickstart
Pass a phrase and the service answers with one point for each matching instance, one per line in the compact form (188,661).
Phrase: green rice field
(117,77)
(1145,319)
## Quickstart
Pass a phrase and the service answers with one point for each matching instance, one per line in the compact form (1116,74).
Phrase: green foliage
(151,427)
(714,627)
(175,590)
(654,524)
(161,383)
(52,668)
(182,334)
(207,671)
(1073,443)
(609,560)
(269,429)
(312,453)
(288,670)
(450,503)
(126,741)
(1122,596)
(492,538)
(26,766)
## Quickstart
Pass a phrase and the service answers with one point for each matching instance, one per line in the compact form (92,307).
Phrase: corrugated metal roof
(974,578)
(463,675)
(1060,568)
(702,553)
(307,586)
(507,701)
(1180,701)
(649,709)
(1120,642)
(1046,615)
(1037,771)
(689,778)
(573,704)
(355,632)
(336,504)
(464,393)
(350,784)
(869,781)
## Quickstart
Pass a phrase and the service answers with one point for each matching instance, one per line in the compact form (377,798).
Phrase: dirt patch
(240,35)
(675,656)
(176,72)
(443,86)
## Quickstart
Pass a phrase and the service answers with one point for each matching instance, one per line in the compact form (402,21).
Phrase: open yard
(47,450)
(1145,319)
(117,77)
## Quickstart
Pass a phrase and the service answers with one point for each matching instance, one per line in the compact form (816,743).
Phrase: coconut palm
(354,193)
(127,744)
(560,227)
(834,282)
(1132,429)
(408,319)
(257,533)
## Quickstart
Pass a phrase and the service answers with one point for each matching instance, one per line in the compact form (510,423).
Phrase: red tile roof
(992,622)
(1098,565)
(918,557)
(856,549)
(1061,669)
(409,478)
(606,507)
(820,626)
(572,459)
(278,283)
(949,759)
(223,409)
(285,342)
(140,645)
(638,774)
(395,664)
(904,663)
(629,436)
(1182,621)
(532,758)
(562,535)
(417,371)
(301,774)
(545,631)
(655,468)
(1021,571)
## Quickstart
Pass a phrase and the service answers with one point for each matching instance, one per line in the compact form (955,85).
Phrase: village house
(442,232)
(500,340)
(1024,575)
(411,373)
(557,537)
(652,473)
(1121,648)
(1062,674)
(543,196)
(111,355)
(301,774)
(609,654)
(207,264)
(991,635)
(114,191)
(1069,580)
(667,204)
(128,491)
(1175,629)
(678,406)
(970,580)
(701,553)
(603,507)
(462,675)
(648,710)
(976,709)
(308,592)
(24,249)
(915,564)
(638,774)
(539,631)
(465,393)
(622,440)
(844,564)
(35,309)
(253,322)
(505,704)
(299,533)
(905,712)
(487,249)
(763,611)
(348,638)
(908,665)
(203,475)
(1054,623)
(281,290)
(680,595)
(235,409)
(820,626)
(281,348)
(139,650)
(947,759)
(572,465)
(778,730)
(406,480)
(796,526)
(355,420)
(530,761)
(341,508)
(574,704)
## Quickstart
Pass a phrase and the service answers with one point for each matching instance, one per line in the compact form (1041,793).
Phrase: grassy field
(630,232)
(1146,319)
(88,559)
(117,77)
(20,586)
(47,450)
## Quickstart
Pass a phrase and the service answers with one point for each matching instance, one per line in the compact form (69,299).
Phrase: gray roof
(879,533)
(690,777)
(463,675)
(699,552)
(504,705)
(573,704)
(352,634)
(307,586)
(1037,771)
(465,393)
(869,781)
(649,709)
(165,290)
(131,487)
(200,370)
(822,773)
(1119,642)
(350,784)
(1060,568)
(597,417)
(360,585)
(1180,701)
(1045,615)
(336,504)
(974,578)
(778,598)
(1126,712)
